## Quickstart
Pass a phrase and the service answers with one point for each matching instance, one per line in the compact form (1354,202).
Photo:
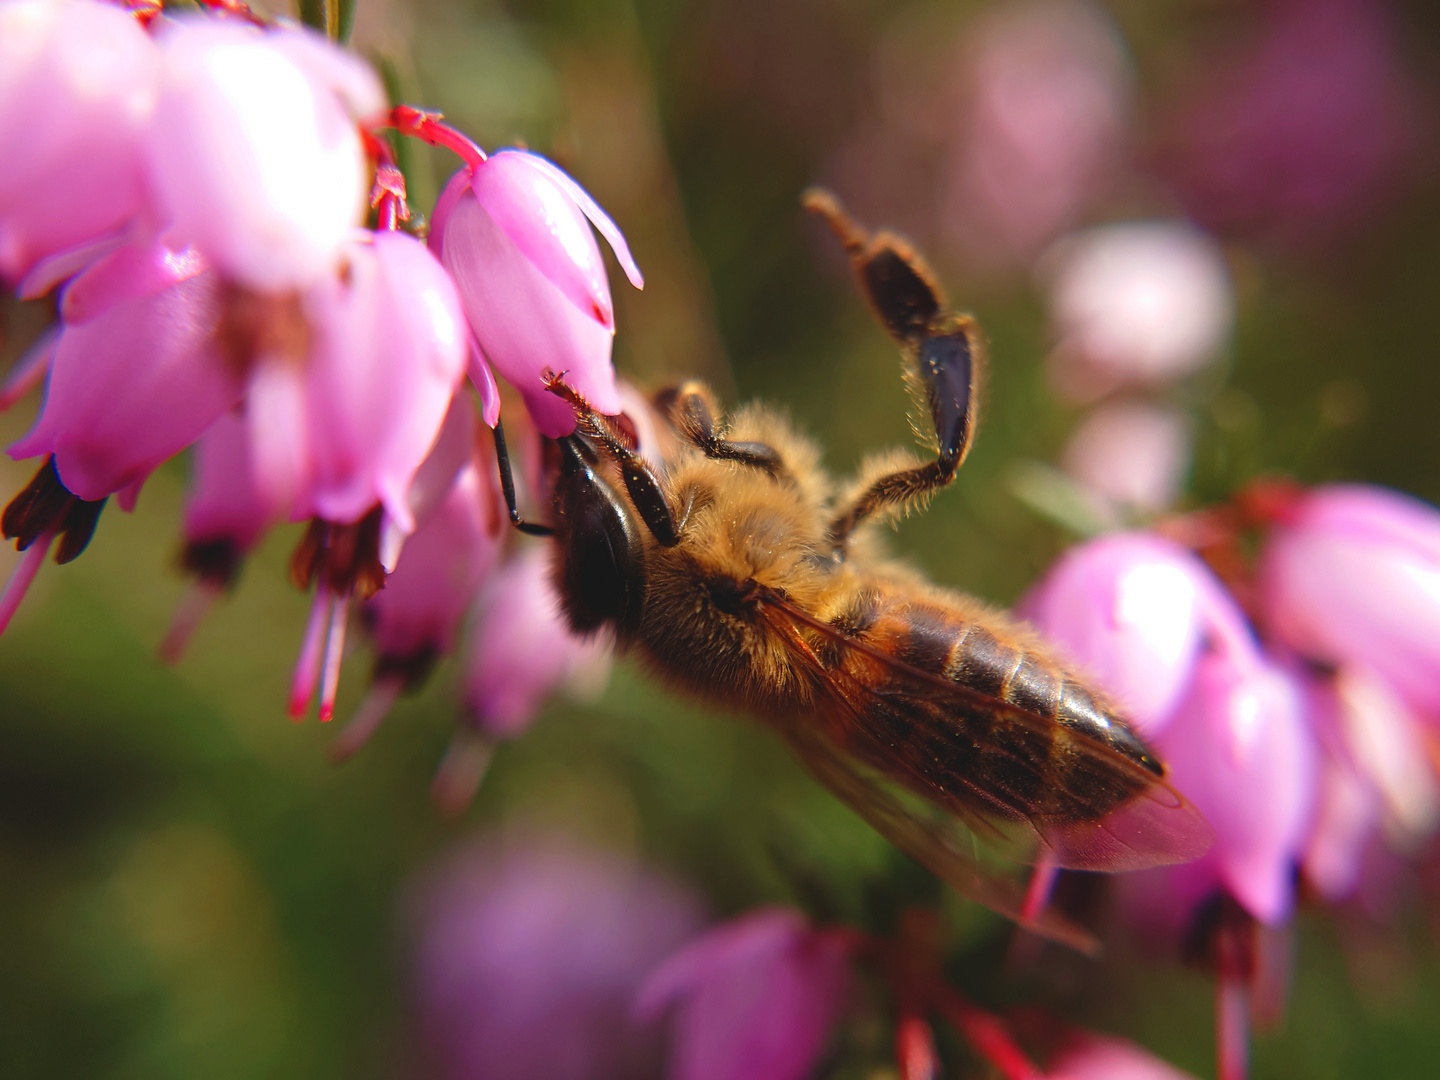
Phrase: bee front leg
(641,484)
(944,360)
(507,486)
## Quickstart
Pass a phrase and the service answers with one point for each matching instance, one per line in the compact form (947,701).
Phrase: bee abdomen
(968,653)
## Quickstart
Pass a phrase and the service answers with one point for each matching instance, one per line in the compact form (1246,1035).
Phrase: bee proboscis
(737,571)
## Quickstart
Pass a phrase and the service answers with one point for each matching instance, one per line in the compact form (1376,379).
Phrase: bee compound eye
(600,553)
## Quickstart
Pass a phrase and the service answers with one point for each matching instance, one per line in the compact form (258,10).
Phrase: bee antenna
(821,201)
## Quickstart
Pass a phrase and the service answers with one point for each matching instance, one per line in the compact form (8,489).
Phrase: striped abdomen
(1007,742)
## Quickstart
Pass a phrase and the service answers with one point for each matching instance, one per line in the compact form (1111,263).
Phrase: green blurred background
(188,888)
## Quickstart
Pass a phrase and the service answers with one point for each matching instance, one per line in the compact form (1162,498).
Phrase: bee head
(600,556)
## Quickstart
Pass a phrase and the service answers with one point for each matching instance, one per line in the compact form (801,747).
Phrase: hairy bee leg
(942,360)
(641,483)
(507,486)
(691,409)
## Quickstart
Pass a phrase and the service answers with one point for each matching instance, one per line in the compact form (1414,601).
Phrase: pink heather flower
(1301,131)
(1240,748)
(349,426)
(755,998)
(1132,454)
(1142,302)
(254,150)
(224,505)
(512,230)
(77,89)
(1050,107)
(1351,579)
(1102,1057)
(414,619)
(137,373)
(1131,609)
(527,958)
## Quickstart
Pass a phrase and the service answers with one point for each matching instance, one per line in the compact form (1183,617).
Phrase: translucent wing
(1029,787)
(930,838)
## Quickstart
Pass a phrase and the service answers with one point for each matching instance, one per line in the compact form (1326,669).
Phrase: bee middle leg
(641,483)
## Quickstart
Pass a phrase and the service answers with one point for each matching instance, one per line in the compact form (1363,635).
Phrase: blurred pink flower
(1131,609)
(1301,130)
(223,506)
(1044,128)
(414,619)
(527,959)
(77,88)
(137,373)
(1138,303)
(1241,749)
(254,151)
(1133,454)
(1103,1057)
(349,426)
(1351,578)
(512,230)
(755,998)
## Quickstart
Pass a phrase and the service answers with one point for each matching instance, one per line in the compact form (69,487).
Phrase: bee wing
(931,838)
(1111,815)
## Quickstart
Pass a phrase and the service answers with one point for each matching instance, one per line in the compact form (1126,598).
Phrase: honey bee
(738,572)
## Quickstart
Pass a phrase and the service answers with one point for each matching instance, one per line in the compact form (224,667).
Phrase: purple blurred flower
(1351,578)
(1142,303)
(512,230)
(528,958)
(755,998)
(350,425)
(1132,454)
(77,89)
(1051,98)
(254,150)
(1103,1057)
(1301,130)
(1131,609)
(137,373)
(521,652)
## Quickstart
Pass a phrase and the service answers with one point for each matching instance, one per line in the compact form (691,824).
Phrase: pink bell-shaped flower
(349,426)
(138,372)
(755,998)
(1103,1057)
(1130,609)
(1241,749)
(528,956)
(1351,577)
(78,85)
(512,231)
(254,150)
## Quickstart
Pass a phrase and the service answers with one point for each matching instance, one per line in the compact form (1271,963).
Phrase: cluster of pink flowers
(194,191)
(540,958)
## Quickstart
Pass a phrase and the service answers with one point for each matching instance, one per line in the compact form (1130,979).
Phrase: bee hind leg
(943,363)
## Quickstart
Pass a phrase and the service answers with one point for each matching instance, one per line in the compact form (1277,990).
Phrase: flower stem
(424,124)
(988,1036)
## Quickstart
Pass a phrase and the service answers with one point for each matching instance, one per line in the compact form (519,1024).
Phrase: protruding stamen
(461,771)
(334,653)
(22,576)
(1232,1028)
(307,668)
(987,1036)
(188,613)
(915,1049)
(1037,893)
(29,371)
(367,718)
